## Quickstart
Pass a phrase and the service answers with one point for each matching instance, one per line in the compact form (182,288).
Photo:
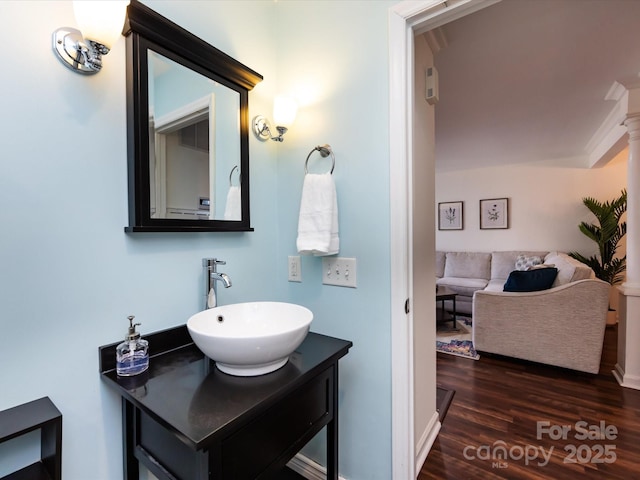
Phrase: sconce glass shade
(100,21)
(284,110)
(284,113)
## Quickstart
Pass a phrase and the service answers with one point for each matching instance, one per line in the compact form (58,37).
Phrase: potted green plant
(607,234)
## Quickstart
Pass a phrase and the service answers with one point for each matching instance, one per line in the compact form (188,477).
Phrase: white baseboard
(426,441)
(309,469)
(624,379)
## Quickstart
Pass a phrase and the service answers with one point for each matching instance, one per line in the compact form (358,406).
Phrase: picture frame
(494,213)
(451,215)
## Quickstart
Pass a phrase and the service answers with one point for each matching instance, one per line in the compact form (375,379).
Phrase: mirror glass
(187,129)
(194,166)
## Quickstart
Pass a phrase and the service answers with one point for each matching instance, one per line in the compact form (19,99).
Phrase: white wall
(423,260)
(545,205)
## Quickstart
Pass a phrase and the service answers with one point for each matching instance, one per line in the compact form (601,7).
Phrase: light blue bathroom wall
(70,275)
(334,57)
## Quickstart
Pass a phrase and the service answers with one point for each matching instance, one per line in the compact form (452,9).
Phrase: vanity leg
(131,470)
(332,432)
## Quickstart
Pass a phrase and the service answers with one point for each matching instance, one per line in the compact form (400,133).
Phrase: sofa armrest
(562,326)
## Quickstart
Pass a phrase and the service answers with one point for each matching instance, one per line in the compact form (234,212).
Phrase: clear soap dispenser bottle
(132,355)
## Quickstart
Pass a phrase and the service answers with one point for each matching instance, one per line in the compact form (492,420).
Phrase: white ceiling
(525,80)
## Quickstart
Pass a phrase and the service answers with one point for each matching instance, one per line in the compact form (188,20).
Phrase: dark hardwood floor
(499,402)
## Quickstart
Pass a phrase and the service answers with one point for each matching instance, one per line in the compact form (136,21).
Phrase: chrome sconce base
(262,129)
(77,53)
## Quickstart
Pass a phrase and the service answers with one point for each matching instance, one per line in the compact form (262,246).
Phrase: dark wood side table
(41,415)
(445,293)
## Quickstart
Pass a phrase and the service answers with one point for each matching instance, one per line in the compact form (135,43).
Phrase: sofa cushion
(440,259)
(524,262)
(496,285)
(463,286)
(503,263)
(531,280)
(468,265)
(569,269)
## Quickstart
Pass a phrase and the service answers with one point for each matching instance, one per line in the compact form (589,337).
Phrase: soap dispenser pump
(132,355)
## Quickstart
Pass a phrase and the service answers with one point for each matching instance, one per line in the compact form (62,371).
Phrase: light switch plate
(294,268)
(339,271)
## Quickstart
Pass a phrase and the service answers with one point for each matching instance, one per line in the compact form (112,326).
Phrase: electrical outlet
(295,271)
(339,271)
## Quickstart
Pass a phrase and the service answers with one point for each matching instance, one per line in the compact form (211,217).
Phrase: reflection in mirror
(189,167)
(187,129)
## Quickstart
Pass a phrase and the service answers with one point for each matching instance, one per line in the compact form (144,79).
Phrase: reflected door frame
(184,116)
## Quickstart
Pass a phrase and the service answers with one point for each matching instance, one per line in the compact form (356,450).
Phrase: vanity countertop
(184,391)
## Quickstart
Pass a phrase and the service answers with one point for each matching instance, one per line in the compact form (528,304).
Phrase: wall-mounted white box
(431,90)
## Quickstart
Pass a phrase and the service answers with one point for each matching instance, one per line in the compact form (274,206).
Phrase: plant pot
(614,297)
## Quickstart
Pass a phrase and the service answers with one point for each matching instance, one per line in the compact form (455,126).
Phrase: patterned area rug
(456,341)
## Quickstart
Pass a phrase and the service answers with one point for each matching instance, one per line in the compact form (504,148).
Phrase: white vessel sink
(253,338)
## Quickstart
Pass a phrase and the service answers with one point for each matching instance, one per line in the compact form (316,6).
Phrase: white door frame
(407,19)
(183,116)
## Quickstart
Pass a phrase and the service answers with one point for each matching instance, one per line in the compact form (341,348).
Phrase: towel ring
(239,175)
(325,151)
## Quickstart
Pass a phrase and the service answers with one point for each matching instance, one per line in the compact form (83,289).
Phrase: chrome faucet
(212,277)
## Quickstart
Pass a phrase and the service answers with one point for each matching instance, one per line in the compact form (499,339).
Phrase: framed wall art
(450,216)
(494,213)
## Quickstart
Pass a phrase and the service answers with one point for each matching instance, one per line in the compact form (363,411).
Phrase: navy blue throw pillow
(530,280)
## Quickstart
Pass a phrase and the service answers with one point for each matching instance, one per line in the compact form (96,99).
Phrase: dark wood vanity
(184,419)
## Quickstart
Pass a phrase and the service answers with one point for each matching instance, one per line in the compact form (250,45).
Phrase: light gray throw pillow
(525,263)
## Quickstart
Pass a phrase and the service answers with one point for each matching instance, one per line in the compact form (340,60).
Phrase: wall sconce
(101,24)
(284,113)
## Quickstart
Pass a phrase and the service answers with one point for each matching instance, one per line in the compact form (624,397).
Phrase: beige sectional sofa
(562,326)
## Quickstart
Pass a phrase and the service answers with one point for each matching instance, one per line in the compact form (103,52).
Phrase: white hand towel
(318,220)
(233,208)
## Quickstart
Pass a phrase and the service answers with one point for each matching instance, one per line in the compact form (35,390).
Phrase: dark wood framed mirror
(187,130)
